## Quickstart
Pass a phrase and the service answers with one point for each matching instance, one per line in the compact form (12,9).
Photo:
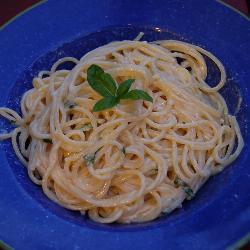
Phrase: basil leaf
(124,87)
(137,94)
(100,81)
(105,103)
(105,85)
(109,81)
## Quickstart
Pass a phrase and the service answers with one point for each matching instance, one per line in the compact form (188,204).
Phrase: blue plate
(220,213)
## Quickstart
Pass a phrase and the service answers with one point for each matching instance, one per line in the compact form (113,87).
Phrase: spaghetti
(138,159)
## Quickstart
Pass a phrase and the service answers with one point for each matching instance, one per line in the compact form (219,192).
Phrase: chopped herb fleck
(69,104)
(186,188)
(189,192)
(154,171)
(13,122)
(48,141)
(86,127)
(89,159)
(179,182)
(123,150)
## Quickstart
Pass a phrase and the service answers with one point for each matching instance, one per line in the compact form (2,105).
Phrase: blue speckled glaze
(220,213)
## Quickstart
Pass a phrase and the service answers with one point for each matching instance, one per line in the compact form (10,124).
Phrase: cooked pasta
(136,160)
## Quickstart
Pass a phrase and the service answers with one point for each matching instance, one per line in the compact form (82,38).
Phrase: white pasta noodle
(138,159)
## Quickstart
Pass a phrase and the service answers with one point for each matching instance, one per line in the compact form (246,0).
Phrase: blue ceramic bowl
(220,213)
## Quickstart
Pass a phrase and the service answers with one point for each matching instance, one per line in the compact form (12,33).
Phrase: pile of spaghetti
(138,159)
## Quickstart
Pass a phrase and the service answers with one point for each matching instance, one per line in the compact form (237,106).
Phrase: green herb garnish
(13,122)
(186,188)
(48,141)
(70,104)
(90,158)
(154,171)
(86,127)
(123,150)
(189,192)
(105,85)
